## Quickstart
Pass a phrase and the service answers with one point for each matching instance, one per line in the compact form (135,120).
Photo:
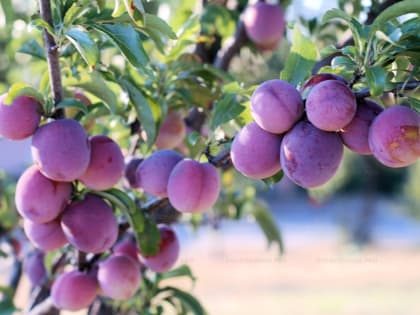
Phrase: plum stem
(411,85)
(53,57)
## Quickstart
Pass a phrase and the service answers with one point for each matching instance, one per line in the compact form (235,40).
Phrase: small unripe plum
(256,153)
(61,149)
(90,225)
(394,136)
(119,277)
(34,267)
(20,119)
(171,132)
(106,164)
(193,186)
(40,199)
(130,172)
(309,156)
(276,105)
(331,105)
(153,173)
(128,248)
(355,135)
(45,236)
(73,291)
(168,251)
(264,24)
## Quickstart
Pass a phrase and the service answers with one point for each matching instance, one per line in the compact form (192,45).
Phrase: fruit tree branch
(411,85)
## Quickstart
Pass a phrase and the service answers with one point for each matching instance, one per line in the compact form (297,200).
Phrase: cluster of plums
(306,140)
(54,215)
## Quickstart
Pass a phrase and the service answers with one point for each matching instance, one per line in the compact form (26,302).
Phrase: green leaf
(143,110)
(3,254)
(20,89)
(127,40)
(7,307)
(156,23)
(225,110)
(343,63)
(182,271)
(376,79)
(40,23)
(186,299)
(270,181)
(302,58)
(149,238)
(84,45)
(138,4)
(32,48)
(72,13)
(414,102)
(186,37)
(72,102)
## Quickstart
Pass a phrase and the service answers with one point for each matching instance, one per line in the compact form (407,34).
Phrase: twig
(155,204)
(411,85)
(45,308)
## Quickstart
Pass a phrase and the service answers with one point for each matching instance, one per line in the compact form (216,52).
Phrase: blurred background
(352,247)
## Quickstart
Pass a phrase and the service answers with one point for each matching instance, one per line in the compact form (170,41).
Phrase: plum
(193,186)
(153,173)
(276,105)
(34,267)
(106,165)
(45,236)
(40,199)
(168,251)
(130,172)
(256,153)
(119,277)
(73,291)
(90,225)
(61,149)
(355,134)
(171,132)
(331,105)
(394,136)
(127,247)
(309,156)
(264,24)
(20,119)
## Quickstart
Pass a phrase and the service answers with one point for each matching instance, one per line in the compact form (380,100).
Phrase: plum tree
(45,236)
(331,105)
(61,149)
(90,225)
(106,165)
(119,277)
(127,247)
(193,186)
(309,156)
(130,172)
(73,291)
(168,251)
(264,24)
(152,175)
(171,132)
(394,136)
(355,135)
(34,267)
(20,119)
(40,199)
(276,105)
(256,153)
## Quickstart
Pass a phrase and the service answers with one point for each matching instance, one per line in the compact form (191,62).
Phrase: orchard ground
(321,272)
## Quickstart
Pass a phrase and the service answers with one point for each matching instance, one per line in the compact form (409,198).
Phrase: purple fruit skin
(106,165)
(153,173)
(61,149)
(45,236)
(309,156)
(171,132)
(331,105)
(90,225)
(168,253)
(73,291)
(119,277)
(193,186)
(130,172)
(276,105)
(256,153)
(40,199)
(35,268)
(355,135)
(128,248)
(20,119)
(394,136)
(264,24)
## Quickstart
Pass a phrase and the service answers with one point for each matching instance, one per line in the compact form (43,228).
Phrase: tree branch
(411,85)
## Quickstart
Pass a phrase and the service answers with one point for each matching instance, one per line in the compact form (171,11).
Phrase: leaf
(156,23)
(84,45)
(3,254)
(32,48)
(186,37)
(376,79)
(40,23)
(149,238)
(72,13)
(182,271)
(414,102)
(72,102)
(186,299)
(225,110)
(7,307)
(20,89)
(270,181)
(127,40)
(302,58)
(343,63)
